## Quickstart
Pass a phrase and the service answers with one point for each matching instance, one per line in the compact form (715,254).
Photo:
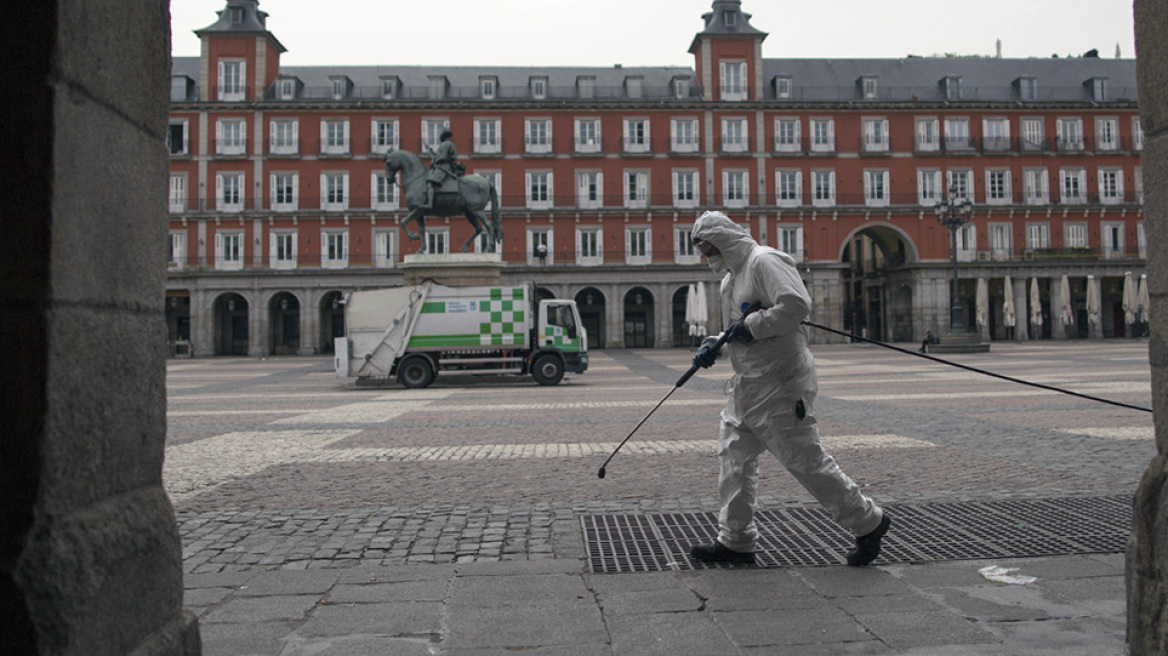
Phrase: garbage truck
(415,334)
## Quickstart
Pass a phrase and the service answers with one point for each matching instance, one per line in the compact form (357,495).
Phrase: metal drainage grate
(807,537)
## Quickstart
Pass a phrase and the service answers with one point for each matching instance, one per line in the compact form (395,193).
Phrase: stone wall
(1147,555)
(90,558)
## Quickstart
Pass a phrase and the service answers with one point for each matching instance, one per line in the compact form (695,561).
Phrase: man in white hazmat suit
(771,397)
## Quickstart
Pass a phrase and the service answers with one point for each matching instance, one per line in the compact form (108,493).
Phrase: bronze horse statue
(473,194)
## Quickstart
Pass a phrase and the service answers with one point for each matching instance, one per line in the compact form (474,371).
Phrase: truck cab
(560,329)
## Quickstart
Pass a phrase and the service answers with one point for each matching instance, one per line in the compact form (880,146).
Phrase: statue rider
(444,164)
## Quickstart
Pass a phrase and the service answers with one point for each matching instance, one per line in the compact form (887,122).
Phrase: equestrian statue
(443,190)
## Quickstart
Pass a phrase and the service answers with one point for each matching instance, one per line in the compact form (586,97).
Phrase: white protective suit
(772,375)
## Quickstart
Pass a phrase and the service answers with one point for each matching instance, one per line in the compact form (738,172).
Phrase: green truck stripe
(443,341)
(438,307)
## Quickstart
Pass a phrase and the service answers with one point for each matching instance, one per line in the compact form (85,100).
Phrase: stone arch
(873,305)
(332,319)
(639,312)
(232,317)
(284,309)
(591,302)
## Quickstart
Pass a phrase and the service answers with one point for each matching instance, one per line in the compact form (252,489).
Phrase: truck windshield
(562,315)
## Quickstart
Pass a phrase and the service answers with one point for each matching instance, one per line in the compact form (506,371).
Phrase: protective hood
(733,240)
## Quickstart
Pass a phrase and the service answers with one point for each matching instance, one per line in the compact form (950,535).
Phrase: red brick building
(280,203)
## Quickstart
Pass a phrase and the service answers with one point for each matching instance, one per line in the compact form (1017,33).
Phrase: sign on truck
(414,334)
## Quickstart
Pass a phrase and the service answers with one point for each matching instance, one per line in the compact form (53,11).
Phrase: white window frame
(1106,134)
(539,189)
(876,191)
(638,244)
(231,141)
(385,135)
(590,246)
(927,137)
(178,249)
(788,187)
(232,181)
(1111,239)
(329,181)
(687,192)
(340,87)
(782,87)
(957,134)
(232,87)
(277,203)
(383,193)
(541,235)
(1137,134)
(636,189)
(334,248)
(1037,235)
(822,134)
(286,258)
(587,135)
(384,248)
(740,141)
(1027,88)
(734,81)
(438,240)
(334,136)
(1073,186)
(995,133)
(286,88)
(1138,178)
(178,192)
(963,180)
(230,250)
(1110,181)
(436,86)
(1001,238)
(875,135)
(684,251)
(284,136)
(432,129)
(488,136)
(818,176)
(537,135)
(637,138)
(1035,186)
(1142,240)
(684,135)
(929,188)
(538,87)
(389,88)
(998,194)
(488,88)
(790,236)
(736,182)
(869,86)
(1069,133)
(788,134)
(967,243)
(1033,133)
(184,147)
(590,189)
(1075,235)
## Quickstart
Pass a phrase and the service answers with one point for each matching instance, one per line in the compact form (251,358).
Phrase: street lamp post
(954,213)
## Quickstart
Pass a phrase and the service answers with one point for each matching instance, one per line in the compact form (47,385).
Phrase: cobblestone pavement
(276,464)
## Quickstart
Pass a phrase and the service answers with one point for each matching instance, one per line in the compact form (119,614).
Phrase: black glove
(707,353)
(738,332)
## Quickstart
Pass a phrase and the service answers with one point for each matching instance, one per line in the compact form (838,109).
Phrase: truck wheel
(548,370)
(415,372)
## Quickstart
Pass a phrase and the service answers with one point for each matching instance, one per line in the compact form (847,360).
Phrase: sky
(659,32)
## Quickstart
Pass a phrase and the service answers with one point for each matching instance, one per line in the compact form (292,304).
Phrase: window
(438,241)
(1070,133)
(334,189)
(782,87)
(1106,134)
(340,87)
(539,247)
(957,134)
(995,133)
(1137,134)
(385,192)
(1001,244)
(586,87)
(1098,87)
(951,87)
(1032,134)
(959,184)
(539,189)
(1111,239)
(176,138)
(389,87)
(788,188)
(178,250)
(1073,184)
(636,135)
(633,87)
(1138,175)
(384,249)
(735,188)
(734,139)
(334,137)
(229,250)
(791,241)
(178,192)
(733,80)
(437,87)
(1142,240)
(589,189)
(685,189)
(876,187)
(230,196)
(1035,187)
(787,135)
(683,135)
(432,130)
(1075,235)
(967,242)
(929,187)
(997,182)
(231,136)
(684,251)
(875,135)
(1110,186)
(496,179)
(1027,88)
(237,15)
(539,88)
(385,135)
(487,88)
(232,80)
(1037,236)
(538,135)
(284,192)
(636,189)
(588,135)
(335,248)
(822,135)
(180,86)
(589,243)
(282,249)
(928,135)
(823,188)
(285,137)
(868,86)
(681,88)
(487,138)
(638,245)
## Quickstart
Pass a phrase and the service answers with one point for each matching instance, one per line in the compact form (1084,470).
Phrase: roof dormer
(729,54)
(240,56)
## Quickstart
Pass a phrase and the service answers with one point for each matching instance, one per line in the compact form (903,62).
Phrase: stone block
(1152,63)
(1154,163)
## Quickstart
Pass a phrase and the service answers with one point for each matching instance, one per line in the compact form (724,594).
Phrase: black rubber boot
(717,553)
(868,546)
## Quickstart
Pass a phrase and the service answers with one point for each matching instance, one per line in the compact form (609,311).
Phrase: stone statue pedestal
(454,269)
